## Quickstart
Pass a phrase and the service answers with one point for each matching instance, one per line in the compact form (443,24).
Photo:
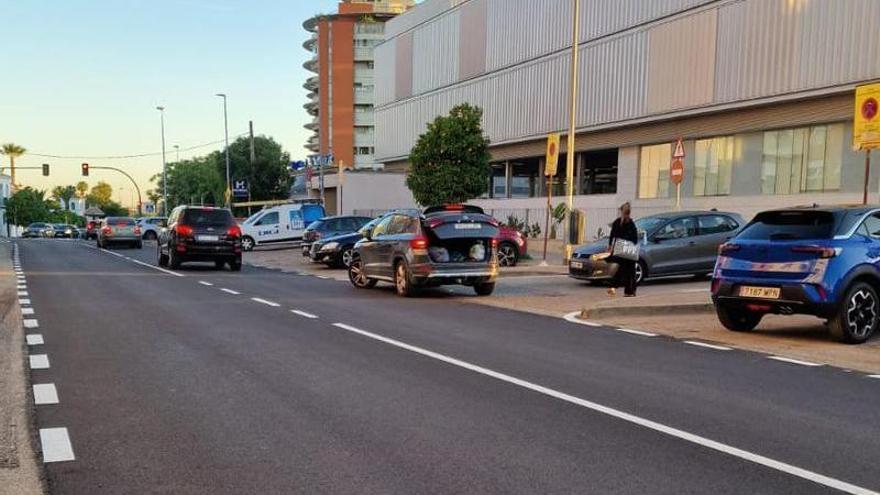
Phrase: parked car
(92,229)
(151,226)
(336,251)
(441,247)
(675,243)
(65,231)
(282,223)
(36,229)
(330,227)
(512,244)
(199,233)
(119,230)
(815,261)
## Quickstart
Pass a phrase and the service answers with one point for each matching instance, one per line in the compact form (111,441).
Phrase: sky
(84,78)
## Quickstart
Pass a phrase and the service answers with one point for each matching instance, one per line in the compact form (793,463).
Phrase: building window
(524,178)
(806,159)
(499,180)
(599,172)
(713,166)
(654,171)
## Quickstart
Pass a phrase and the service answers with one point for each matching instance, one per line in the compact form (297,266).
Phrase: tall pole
(164,164)
(253,151)
(177,150)
(226,131)
(569,158)
(867,175)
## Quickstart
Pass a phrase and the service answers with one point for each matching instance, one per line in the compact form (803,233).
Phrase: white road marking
(635,332)
(708,346)
(45,393)
(34,339)
(209,284)
(873,376)
(22,293)
(573,318)
(39,361)
(169,272)
(267,303)
(24,301)
(303,314)
(56,445)
(118,255)
(625,416)
(27,311)
(30,323)
(794,361)
(230,291)
(323,277)
(21,287)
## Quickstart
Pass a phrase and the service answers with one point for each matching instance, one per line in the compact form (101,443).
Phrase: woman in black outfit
(624,228)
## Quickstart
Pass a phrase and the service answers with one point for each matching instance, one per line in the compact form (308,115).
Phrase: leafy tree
(82,189)
(13,151)
(26,206)
(64,194)
(450,161)
(114,209)
(191,181)
(268,176)
(100,195)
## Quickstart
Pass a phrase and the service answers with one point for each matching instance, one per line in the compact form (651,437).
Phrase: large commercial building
(761,92)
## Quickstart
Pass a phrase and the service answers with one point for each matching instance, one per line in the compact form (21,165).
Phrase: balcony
(311,43)
(312,108)
(365,137)
(363,53)
(312,83)
(364,118)
(364,96)
(311,64)
(313,125)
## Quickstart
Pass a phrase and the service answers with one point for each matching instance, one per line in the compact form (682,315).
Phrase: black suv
(197,233)
(441,247)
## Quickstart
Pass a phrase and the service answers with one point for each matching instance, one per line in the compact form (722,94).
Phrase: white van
(283,223)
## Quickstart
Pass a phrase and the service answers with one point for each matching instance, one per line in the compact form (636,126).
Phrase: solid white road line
(27,311)
(34,339)
(630,418)
(303,314)
(30,323)
(169,272)
(24,301)
(118,255)
(794,361)
(573,318)
(39,361)
(45,393)
(635,332)
(56,445)
(230,291)
(708,346)
(267,303)
(209,284)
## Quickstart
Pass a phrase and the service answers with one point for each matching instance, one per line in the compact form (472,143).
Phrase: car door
(374,249)
(674,248)
(267,228)
(713,231)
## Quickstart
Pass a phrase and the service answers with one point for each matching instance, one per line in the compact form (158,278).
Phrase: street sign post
(551,160)
(676,171)
(240,188)
(866,126)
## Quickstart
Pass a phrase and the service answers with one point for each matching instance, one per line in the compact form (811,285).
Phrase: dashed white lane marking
(873,376)
(323,277)
(118,255)
(303,314)
(21,287)
(793,361)
(169,272)
(39,361)
(209,284)
(56,445)
(34,339)
(230,291)
(30,323)
(635,332)
(45,393)
(708,346)
(22,293)
(27,311)
(625,416)
(24,301)
(573,318)
(267,303)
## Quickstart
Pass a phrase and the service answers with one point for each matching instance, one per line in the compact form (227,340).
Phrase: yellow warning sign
(866,125)
(552,157)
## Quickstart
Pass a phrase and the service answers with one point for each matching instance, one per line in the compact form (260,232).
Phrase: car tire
(163,259)
(508,254)
(247,243)
(139,245)
(356,275)
(737,321)
(403,284)
(235,265)
(219,264)
(857,317)
(149,235)
(641,272)
(173,259)
(345,257)
(484,288)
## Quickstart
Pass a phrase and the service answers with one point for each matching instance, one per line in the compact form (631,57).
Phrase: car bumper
(121,238)
(208,252)
(587,269)
(454,273)
(794,298)
(324,256)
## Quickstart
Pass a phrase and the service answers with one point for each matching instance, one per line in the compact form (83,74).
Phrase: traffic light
(85,169)
(46,169)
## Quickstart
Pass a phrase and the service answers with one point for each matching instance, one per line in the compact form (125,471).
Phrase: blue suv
(817,261)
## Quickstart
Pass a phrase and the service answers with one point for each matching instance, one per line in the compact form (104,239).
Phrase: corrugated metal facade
(385,70)
(643,59)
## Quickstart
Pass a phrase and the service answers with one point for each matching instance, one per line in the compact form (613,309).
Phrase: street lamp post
(569,158)
(164,164)
(226,132)
(177,150)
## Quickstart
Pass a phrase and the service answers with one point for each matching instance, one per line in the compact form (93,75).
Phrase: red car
(511,243)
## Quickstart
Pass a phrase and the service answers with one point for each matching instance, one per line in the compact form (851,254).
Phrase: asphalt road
(186,384)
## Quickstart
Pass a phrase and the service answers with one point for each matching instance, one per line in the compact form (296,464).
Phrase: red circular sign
(869,108)
(676,171)
(552,149)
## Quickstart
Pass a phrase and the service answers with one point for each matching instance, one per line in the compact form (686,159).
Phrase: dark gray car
(675,243)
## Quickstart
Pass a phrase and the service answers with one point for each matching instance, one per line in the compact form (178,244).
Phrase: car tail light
(184,230)
(107,229)
(419,245)
(234,231)
(137,230)
(819,251)
(455,207)
(728,248)
(822,294)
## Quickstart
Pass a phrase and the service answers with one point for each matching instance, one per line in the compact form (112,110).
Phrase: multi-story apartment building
(341,93)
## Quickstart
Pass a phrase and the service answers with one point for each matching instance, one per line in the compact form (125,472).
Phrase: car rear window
(208,216)
(790,225)
(120,221)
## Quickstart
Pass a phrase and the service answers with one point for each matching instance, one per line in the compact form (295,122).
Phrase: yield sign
(679,149)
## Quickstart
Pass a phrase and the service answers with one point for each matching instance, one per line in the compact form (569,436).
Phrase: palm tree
(13,151)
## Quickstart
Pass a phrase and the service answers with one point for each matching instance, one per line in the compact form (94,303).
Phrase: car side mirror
(366,233)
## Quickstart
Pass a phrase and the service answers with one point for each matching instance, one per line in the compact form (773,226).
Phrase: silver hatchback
(119,230)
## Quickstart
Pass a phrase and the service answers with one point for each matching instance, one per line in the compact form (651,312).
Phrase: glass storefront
(654,171)
(806,159)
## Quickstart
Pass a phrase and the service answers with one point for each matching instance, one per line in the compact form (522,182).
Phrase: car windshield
(648,224)
(789,225)
(213,217)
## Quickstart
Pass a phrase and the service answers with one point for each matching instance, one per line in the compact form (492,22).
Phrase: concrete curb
(671,309)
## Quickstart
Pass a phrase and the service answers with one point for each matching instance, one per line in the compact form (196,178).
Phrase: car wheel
(173,259)
(402,280)
(163,260)
(356,275)
(856,318)
(149,235)
(247,243)
(508,255)
(235,265)
(219,264)
(345,257)
(139,245)
(641,272)
(484,289)
(737,320)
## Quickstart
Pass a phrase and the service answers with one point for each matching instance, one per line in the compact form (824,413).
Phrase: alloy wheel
(346,257)
(247,243)
(639,273)
(861,313)
(506,255)
(356,273)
